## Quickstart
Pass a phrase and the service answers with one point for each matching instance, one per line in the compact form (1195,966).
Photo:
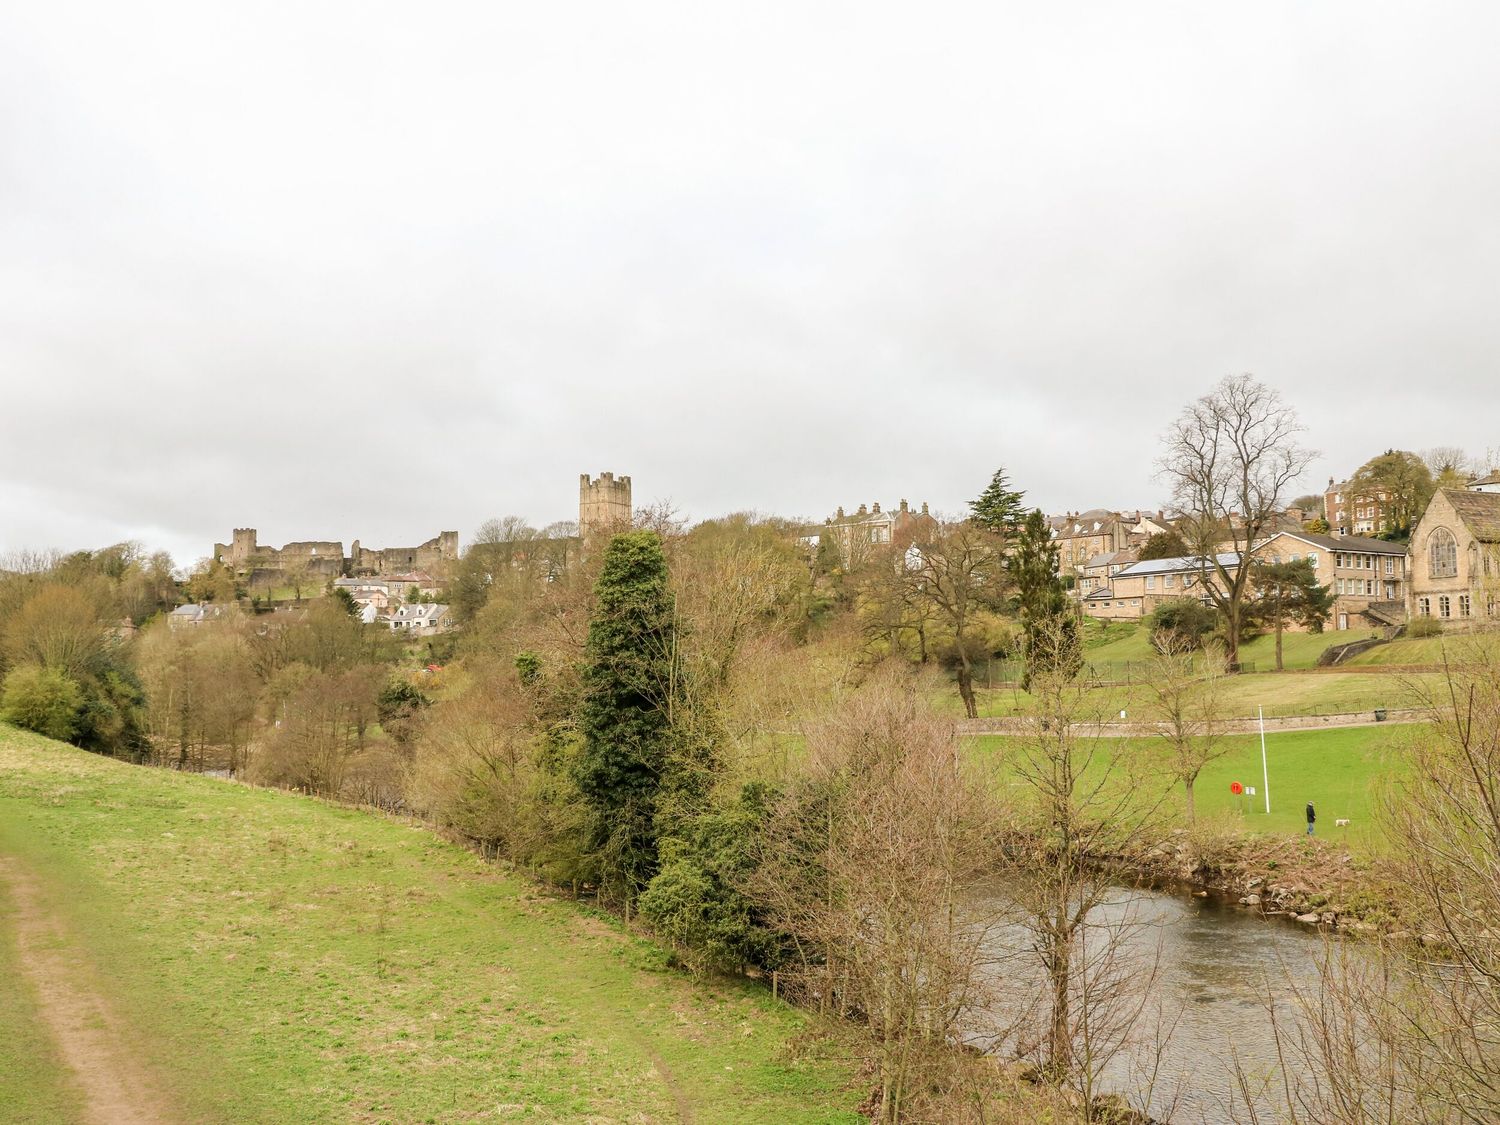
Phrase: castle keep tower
(603,505)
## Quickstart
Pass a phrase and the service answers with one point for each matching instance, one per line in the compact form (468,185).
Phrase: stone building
(323,559)
(603,505)
(1367,577)
(432,556)
(1352,513)
(1455,559)
(854,536)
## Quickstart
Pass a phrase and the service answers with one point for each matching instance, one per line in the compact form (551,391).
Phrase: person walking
(1312,816)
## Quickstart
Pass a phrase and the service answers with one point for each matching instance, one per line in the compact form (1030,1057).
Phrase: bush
(1181,624)
(42,700)
(1424,627)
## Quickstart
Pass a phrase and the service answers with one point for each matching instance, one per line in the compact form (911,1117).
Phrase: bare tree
(871,865)
(1185,691)
(1079,806)
(1231,459)
(959,572)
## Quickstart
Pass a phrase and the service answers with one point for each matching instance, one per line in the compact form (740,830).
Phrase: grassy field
(285,960)
(1281,694)
(1341,771)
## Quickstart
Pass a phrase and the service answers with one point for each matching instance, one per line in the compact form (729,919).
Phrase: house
(1087,536)
(1134,591)
(192,614)
(1489,483)
(1367,577)
(869,528)
(422,617)
(371,592)
(1096,573)
(1454,562)
(1352,513)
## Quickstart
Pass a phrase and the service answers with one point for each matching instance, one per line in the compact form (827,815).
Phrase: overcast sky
(363,270)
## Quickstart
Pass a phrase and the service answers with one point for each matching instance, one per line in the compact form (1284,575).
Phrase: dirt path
(90,1037)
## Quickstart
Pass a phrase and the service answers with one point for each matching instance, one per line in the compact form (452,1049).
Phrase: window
(1166,582)
(1312,558)
(1424,607)
(1463,605)
(1150,581)
(1445,606)
(1390,565)
(1341,585)
(1135,601)
(1442,554)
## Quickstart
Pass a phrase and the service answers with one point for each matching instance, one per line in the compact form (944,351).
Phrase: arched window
(1442,554)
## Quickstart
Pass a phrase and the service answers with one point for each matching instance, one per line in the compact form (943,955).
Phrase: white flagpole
(1265,776)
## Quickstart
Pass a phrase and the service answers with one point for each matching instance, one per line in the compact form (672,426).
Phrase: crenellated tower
(603,505)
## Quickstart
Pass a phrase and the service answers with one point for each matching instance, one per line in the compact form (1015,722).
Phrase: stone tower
(603,505)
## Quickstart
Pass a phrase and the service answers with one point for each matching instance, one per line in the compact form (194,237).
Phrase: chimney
(903,505)
(877,507)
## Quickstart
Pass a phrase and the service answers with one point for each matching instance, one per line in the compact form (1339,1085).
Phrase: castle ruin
(325,559)
(603,505)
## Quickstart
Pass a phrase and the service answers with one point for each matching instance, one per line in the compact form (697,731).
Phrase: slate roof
(1493,478)
(1480,512)
(1181,564)
(1345,543)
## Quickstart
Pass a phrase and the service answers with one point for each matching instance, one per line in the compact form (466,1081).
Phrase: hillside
(268,957)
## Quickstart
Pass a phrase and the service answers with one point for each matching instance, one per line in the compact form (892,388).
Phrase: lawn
(1341,771)
(287,960)
(1280,694)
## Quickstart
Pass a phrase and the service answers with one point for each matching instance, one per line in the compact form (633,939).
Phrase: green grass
(1340,770)
(291,961)
(1427,650)
(34,1087)
(1281,694)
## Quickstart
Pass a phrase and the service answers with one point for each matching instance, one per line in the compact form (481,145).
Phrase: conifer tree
(998,509)
(1052,643)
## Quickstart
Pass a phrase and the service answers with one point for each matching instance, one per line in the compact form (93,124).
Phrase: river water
(1206,969)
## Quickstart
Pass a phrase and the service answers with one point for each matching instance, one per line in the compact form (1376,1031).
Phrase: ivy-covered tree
(999,508)
(1401,483)
(1289,593)
(626,713)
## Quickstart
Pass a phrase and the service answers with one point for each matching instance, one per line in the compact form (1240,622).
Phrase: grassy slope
(1427,650)
(1340,770)
(294,961)
(1298,650)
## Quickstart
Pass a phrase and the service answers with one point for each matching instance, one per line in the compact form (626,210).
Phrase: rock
(1328,917)
(1200,894)
(1309,919)
(1401,935)
(1253,883)
(1363,929)
(1432,940)
(1251,900)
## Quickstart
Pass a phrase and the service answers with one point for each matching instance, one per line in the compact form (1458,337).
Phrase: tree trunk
(966,689)
(1187,784)
(1278,638)
(1232,638)
(1059,1038)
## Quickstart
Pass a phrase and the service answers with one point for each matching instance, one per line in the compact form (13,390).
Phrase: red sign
(1236,788)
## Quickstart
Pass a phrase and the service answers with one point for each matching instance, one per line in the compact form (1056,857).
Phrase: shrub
(1424,627)
(43,700)
(1181,624)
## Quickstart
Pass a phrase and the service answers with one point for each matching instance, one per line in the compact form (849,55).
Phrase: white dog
(1341,823)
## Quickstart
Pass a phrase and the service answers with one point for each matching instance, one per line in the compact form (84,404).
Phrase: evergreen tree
(999,508)
(1289,593)
(1052,641)
(626,711)
(1164,545)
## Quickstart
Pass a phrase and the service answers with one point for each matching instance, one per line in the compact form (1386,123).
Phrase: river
(1205,966)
